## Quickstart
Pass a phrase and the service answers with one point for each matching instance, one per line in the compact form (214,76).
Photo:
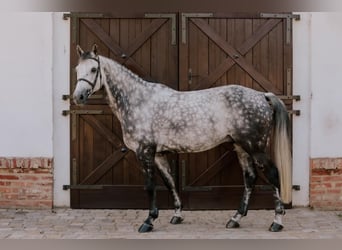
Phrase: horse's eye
(93,70)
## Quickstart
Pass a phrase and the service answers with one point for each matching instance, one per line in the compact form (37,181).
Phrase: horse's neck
(120,74)
(122,86)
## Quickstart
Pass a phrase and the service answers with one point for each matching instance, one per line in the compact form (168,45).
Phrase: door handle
(190,76)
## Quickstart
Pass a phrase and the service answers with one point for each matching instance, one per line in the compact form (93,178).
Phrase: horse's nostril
(81,97)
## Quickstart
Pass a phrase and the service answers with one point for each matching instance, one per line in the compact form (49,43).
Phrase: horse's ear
(95,49)
(79,50)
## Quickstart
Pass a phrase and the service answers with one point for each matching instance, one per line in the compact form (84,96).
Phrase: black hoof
(232,224)
(275,227)
(176,220)
(145,228)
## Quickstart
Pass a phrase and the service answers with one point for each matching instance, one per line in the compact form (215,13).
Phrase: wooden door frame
(236,54)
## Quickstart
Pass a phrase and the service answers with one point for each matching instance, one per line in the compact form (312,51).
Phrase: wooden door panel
(214,169)
(222,66)
(102,153)
(236,56)
(102,172)
(221,51)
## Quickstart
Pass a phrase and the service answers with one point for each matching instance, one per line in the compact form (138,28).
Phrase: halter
(98,71)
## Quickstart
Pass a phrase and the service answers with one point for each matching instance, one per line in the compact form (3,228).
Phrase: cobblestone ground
(300,223)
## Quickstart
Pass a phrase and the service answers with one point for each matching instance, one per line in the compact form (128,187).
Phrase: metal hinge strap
(75,16)
(289,97)
(294,112)
(82,112)
(173,18)
(74,171)
(66,16)
(83,187)
(288,18)
(184,24)
(288,81)
(280,15)
(92,97)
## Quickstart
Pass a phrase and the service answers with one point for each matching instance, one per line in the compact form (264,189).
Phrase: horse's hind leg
(164,169)
(271,174)
(146,156)
(249,177)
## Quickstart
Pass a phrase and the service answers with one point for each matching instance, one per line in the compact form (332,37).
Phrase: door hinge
(288,81)
(74,114)
(185,16)
(92,97)
(190,76)
(294,112)
(288,17)
(82,187)
(74,171)
(173,18)
(82,112)
(75,16)
(66,16)
(289,97)
(280,15)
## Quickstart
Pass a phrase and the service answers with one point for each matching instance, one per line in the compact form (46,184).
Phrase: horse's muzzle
(81,97)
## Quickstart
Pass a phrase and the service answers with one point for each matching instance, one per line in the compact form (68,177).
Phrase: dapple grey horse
(156,119)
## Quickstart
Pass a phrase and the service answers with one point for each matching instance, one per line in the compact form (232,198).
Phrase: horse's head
(89,75)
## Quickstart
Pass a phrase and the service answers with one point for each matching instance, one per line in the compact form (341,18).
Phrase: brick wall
(26,183)
(326,183)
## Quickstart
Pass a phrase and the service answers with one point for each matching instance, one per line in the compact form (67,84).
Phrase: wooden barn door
(105,174)
(186,51)
(230,49)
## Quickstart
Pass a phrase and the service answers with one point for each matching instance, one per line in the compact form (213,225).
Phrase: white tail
(282,150)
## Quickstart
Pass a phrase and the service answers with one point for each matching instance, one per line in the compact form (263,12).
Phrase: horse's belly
(193,128)
(181,146)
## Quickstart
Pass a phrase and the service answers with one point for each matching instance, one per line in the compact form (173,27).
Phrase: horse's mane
(123,69)
(136,79)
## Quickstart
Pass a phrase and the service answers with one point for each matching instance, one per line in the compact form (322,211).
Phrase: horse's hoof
(275,227)
(232,224)
(176,220)
(145,228)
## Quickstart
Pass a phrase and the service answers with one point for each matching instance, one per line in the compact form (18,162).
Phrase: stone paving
(300,223)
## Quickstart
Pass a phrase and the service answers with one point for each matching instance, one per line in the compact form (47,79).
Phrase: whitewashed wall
(317,78)
(301,124)
(26,125)
(34,66)
(61,75)
(326,80)
(35,74)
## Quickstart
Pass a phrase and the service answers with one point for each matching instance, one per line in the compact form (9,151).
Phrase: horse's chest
(136,128)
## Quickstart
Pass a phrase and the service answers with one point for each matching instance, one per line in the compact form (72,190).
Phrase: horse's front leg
(146,157)
(165,172)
